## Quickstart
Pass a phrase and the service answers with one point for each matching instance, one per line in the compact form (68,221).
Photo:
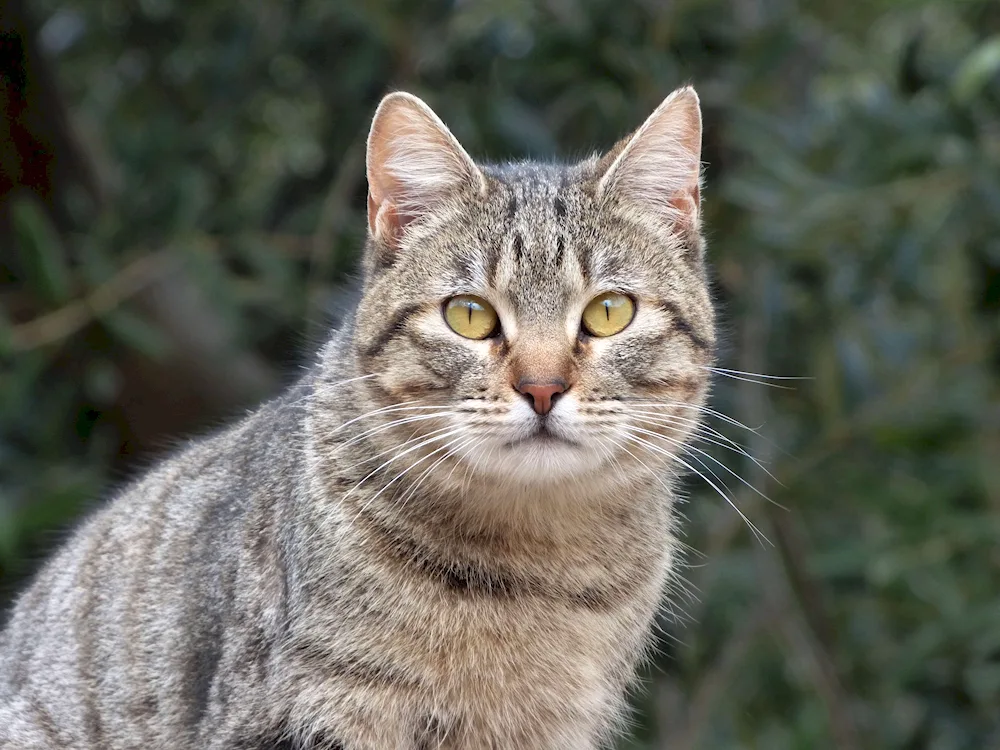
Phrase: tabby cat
(455,530)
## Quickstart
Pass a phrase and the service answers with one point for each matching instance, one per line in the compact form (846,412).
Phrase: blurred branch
(800,617)
(809,634)
(66,321)
(714,682)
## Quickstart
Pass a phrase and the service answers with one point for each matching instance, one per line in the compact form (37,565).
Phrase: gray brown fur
(257,592)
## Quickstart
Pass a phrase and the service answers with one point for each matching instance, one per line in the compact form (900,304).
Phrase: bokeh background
(182,201)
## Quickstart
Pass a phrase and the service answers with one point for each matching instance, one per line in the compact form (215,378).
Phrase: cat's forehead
(537,192)
(530,181)
(538,266)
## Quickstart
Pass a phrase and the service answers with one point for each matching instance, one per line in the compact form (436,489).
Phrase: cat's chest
(472,651)
(437,665)
(517,673)
(525,669)
(494,634)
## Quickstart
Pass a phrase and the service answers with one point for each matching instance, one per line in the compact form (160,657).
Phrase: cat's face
(533,322)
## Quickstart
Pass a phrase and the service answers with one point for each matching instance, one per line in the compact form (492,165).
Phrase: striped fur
(386,557)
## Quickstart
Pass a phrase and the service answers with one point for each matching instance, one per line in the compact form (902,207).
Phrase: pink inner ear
(386,221)
(372,212)
(658,166)
(413,163)
(687,202)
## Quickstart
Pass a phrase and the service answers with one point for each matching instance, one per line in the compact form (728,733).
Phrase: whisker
(724,371)
(404,406)
(699,408)
(395,479)
(400,454)
(696,423)
(414,436)
(455,446)
(457,464)
(710,457)
(757,532)
(724,441)
(394,423)
(351,380)
(711,412)
(313,392)
(753,380)
(446,447)
(653,472)
(681,446)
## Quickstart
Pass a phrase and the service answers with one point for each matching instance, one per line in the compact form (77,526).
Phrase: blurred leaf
(981,65)
(41,252)
(137,333)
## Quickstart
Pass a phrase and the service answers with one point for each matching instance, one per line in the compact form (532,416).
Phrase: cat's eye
(471,317)
(608,314)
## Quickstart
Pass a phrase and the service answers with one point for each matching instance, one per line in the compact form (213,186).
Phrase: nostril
(542,395)
(525,395)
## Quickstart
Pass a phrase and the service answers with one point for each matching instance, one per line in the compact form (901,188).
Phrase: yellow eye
(608,314)
(470,316)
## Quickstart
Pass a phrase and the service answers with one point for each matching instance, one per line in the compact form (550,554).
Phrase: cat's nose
(542,395)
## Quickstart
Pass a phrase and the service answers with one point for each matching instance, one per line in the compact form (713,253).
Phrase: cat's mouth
(542,435)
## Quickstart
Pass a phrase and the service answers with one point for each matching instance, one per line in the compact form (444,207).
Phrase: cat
(455,530)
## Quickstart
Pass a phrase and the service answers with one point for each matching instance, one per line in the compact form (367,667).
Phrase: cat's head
(533,321)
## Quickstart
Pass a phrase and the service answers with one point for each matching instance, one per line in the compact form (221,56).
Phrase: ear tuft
(659,166)
(413,162)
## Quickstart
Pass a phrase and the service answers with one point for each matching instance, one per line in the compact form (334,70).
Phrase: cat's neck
(571,509)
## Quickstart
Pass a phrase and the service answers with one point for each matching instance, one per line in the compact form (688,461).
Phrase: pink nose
(541,394)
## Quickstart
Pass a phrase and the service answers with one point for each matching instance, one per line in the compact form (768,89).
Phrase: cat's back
(128,625)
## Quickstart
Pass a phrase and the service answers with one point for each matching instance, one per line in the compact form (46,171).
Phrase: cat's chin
(540,459)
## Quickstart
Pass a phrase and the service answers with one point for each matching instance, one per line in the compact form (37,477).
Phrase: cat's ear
(413,163)
(659,166)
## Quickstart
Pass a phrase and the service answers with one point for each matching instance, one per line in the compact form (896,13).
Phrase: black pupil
(607,308)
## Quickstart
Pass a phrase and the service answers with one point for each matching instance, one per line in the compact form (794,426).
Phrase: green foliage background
(853,207)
